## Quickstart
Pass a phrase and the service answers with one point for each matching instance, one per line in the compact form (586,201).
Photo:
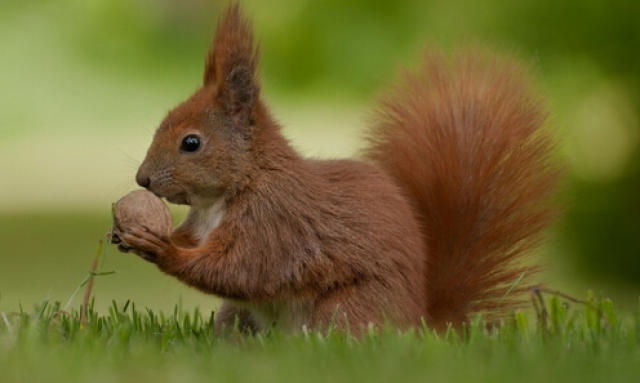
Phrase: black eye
(190,143)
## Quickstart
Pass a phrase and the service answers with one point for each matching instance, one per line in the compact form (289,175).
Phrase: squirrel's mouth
(178,199)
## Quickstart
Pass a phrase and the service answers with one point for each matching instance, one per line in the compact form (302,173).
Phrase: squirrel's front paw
(148,245)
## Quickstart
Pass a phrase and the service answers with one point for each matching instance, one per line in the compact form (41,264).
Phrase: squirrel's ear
(231,64)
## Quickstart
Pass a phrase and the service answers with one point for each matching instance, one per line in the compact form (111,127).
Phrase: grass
(149,337)
(582,343)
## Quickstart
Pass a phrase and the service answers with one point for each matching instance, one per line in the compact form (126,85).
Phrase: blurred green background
(85,82)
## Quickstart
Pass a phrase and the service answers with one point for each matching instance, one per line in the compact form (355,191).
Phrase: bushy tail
(463,137)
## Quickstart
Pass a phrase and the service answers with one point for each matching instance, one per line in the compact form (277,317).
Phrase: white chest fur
(203,219)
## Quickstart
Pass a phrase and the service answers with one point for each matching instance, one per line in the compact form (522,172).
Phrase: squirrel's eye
(190,143)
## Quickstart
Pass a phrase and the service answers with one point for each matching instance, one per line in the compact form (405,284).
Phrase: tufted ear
(231,64)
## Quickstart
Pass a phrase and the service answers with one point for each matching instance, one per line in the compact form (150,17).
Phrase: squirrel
(431,225)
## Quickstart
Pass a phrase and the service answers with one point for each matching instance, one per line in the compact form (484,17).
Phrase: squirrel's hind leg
(230,318)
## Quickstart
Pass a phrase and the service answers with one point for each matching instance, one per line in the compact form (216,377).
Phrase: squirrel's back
(464,138)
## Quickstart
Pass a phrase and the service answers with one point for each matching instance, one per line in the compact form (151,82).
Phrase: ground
(582,343)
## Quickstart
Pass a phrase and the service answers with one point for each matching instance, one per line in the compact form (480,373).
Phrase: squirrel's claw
(147,244)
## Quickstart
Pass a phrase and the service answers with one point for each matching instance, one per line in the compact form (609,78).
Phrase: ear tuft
(232,61)
(240,89)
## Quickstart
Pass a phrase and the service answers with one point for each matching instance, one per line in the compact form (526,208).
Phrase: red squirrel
(431,225)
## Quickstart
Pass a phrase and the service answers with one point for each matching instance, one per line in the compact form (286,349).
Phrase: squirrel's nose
(143,180)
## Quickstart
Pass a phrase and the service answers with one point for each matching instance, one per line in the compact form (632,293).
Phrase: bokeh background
(83,84)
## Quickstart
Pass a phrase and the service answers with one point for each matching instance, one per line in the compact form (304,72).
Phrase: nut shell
(141,208)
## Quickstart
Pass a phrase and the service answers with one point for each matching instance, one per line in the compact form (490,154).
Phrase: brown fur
(428,231)
(463,137)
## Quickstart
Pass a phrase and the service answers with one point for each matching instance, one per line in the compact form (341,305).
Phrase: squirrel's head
(203,146)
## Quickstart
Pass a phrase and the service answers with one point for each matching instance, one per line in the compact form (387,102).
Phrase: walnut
(140,208)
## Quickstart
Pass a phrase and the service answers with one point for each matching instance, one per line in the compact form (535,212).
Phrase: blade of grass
(513,285)
(87,291)
(6,322)
(561,294)
(75,292)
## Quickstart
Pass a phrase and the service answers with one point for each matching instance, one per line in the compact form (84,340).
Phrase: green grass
(583,343)
(159,343)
